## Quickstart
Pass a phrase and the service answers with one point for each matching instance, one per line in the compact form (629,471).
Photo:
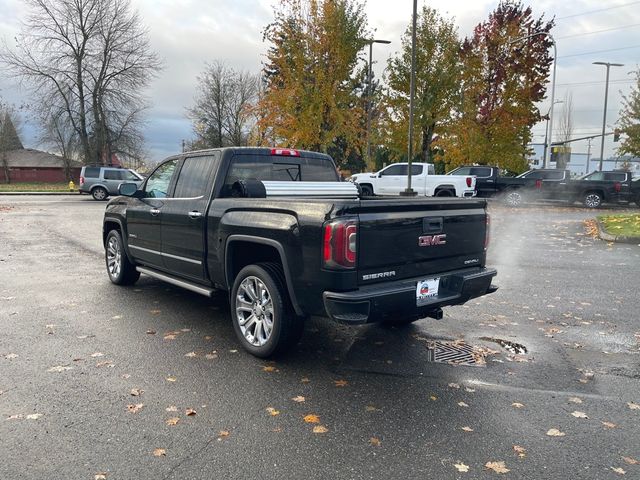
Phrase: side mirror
(127,189)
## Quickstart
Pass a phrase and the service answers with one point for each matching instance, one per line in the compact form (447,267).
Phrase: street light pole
(604,116)
(547,133)
(412,87)
(369,95)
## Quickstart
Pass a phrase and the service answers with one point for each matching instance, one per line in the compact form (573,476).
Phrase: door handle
(195,214)
(154,211)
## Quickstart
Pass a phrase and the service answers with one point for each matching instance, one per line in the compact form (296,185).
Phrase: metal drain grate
(454,353)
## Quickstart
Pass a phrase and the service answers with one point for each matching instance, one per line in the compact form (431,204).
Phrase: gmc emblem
(431,240)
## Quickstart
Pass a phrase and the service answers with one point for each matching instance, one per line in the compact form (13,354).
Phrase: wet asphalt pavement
(73,347)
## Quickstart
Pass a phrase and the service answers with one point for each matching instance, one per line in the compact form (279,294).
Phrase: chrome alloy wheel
(592,200)
(254,311)
(513,199)
(99,193)
(114,257)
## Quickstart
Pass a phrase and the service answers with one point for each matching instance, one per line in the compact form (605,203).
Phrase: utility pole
(412,87)
(588,154)
(604,116)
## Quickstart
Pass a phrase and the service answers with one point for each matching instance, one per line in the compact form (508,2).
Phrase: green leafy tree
(630,121)
(504,77)
(436,89)
(308,97)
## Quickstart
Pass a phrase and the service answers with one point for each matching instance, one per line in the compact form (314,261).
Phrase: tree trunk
(5,167)
(427,136)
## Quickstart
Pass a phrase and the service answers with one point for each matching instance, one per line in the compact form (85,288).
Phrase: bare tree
(90,60)
(565,131)
(222,114)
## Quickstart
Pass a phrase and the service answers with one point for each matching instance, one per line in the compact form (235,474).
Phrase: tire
(99,194)
(259,336)
(592,200)
(120,270)
(512,198)
(367,190)
(444,193)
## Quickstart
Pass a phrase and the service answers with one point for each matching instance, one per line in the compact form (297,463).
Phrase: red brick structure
(27,165)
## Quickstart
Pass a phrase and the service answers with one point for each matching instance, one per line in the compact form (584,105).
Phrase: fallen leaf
(520,451)
(135,408)
(470,390)
(272,411)
(208,337)
(433,398)
(172,421)
(185,330)
(311,418)
(105,363)
(100,476)
(190,412)
(19,416)
(467,429)
(154,312)
(619,470)
(211,356)
(498,467)
(171,408)
(340,383)
(461,467)
(269,368)
(554,432)
(59,368)
(191,354)
(136,392)
(517,405)
(633,406)
(233,351)
(151,332)
(454,385)
(374,441)
(171,379)
(372,408)
(575,400)
(298,399)
(170,337)
(222,434)
(116,317)
(10,356)
(97,354)
(159,452)
(320,429)
(462,404)
(304,380)
(609,425)
(579,414)
(630,461)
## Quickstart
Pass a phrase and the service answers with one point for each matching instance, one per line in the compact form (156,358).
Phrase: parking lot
(100,381)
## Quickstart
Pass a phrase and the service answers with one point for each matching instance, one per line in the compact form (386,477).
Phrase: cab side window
(394,170)
(194,177)
(158,183)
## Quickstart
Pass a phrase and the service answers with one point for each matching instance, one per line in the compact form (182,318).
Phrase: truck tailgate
(418,237)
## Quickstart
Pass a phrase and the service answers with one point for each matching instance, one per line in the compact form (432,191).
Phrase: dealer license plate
(426,290)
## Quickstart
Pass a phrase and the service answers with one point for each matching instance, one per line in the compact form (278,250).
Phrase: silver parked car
(102,181)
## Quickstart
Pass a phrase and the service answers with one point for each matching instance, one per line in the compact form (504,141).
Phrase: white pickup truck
(392,180)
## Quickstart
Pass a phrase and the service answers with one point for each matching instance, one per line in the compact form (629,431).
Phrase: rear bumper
(378,302)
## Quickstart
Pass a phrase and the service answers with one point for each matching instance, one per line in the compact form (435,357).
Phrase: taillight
(469,180)
(538,184)
(487,233)
(340,244)
(81,180)
(286,152)
(617,186)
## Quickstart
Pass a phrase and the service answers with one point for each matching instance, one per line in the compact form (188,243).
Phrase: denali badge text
(373,276)
(432,240)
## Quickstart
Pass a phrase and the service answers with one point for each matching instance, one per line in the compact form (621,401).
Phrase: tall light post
(547,133)
(553,87)
(412,88)
(370,41)
(604,116)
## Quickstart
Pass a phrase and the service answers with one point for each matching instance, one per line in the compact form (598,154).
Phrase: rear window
(559,175)
(275,168)
(616,177)
(481,171)
(92,172)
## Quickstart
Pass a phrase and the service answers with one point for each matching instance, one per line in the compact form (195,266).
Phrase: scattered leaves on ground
(467,429)
(498,467)
(171,379)
(97,354)
(312,418)
(433,398)
(633,406)
(579,414)
(461,467)
(170,337)
(630,461)
(191,354)
(171,408)
(269,368)
(554,432)
(454,385)
(272,411)
(320,429)
(159,452)
(136,392)
(521,451)
(462,404)
(470,390)
(211,356)
(172,421)
(375,442)
(105,363)
(190,412)
(151,332)
(222,434)
(59,368)
(609,425)
(135,408)
(340,383)
(304,380)
(575,400)
(298,399)
(517,405)
(619,470)
(100,476)
(155,312)
(372,408)
(11,356)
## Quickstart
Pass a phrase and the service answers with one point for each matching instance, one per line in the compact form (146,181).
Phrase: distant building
(27,165)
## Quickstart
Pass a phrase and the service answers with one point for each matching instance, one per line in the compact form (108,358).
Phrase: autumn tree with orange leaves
(308,78)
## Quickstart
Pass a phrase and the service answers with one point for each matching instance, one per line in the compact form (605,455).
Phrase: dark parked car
(489,183)
(596,188)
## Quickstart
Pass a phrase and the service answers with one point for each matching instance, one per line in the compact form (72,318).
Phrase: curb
(39,193)
(607,237)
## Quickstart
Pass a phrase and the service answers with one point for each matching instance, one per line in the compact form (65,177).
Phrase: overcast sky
(188,33)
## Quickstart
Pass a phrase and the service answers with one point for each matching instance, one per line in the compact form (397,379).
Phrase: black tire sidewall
(367,191)
(277,297)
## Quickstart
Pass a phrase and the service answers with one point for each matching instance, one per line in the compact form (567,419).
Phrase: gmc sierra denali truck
(278,231)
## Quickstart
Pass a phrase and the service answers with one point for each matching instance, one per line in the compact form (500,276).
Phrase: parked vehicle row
(278,231)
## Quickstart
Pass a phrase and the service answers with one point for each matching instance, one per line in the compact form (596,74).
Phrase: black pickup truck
(489,183)
(596,188)
(275,229)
